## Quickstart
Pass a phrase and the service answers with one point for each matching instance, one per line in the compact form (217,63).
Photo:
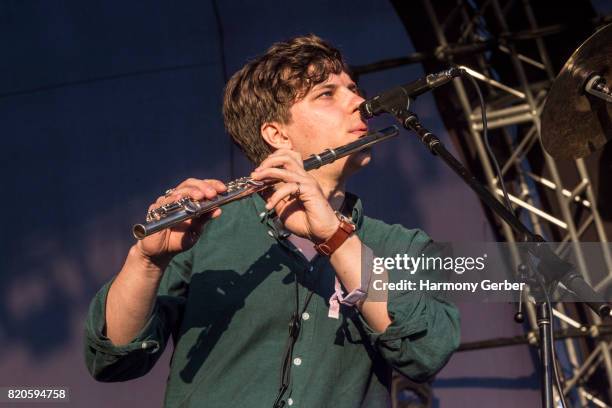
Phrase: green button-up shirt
(227,303)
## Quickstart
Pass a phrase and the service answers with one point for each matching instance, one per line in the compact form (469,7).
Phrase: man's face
(328,117)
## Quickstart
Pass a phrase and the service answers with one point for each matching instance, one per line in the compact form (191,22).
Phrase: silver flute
(185,208)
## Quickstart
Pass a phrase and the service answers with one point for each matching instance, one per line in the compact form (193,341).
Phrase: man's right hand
(159,248)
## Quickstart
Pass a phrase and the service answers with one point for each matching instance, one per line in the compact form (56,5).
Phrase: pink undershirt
(306,247)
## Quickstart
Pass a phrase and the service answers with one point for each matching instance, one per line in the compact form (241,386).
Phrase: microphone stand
(551,270)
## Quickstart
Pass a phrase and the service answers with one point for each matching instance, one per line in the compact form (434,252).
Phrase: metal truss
(514,111)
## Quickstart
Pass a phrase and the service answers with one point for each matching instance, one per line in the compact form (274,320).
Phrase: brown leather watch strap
(345,230)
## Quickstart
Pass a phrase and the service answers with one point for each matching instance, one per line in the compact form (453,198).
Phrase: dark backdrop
(104,105)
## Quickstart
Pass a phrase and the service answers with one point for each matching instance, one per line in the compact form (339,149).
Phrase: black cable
(295,326)
(509,207)
(486,141)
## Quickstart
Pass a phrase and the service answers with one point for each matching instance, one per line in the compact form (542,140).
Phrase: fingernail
(257,169)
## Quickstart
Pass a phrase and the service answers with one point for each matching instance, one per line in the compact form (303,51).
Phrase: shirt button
(311,268)
(150,346)
(290,401)
(305,316)
(270,233)
(297,361)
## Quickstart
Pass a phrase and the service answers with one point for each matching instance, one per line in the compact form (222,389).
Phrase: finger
(296,157)
(162,200)
(156,204)
(187,182)
(285,162)
(192,192)
(281,193)
(196,191)
(275,173)
(216,184)
(290,154)
(206,185)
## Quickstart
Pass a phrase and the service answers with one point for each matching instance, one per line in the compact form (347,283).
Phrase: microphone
(399,97)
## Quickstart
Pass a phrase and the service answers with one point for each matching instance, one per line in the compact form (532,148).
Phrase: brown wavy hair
(265,88)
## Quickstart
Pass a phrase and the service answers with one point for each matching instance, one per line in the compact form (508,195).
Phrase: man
(228,291)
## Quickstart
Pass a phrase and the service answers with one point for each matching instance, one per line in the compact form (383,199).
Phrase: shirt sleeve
(108,362)
(424,329)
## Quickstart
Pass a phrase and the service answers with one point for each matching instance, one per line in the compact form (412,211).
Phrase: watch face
(344,218)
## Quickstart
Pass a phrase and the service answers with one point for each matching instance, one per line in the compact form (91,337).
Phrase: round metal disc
(573,127)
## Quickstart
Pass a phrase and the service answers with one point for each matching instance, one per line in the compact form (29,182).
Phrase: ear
(274,134)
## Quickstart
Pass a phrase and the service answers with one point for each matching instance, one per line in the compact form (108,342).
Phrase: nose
(356,100)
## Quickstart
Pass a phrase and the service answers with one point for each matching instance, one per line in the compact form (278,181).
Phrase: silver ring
(168,192)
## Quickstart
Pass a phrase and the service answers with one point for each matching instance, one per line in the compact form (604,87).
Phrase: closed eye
(354,89)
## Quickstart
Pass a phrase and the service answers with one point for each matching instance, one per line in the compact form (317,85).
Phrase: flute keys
(185,203)
(191,206)
(255,183)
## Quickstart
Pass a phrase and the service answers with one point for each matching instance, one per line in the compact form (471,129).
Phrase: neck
(333,190)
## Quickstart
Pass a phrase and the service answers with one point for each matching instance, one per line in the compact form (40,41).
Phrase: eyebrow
(321,87)
(332,87)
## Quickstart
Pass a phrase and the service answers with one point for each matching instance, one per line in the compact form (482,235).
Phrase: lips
(360,132)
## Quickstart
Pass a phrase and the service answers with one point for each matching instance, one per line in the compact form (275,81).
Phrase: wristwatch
(345,229)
